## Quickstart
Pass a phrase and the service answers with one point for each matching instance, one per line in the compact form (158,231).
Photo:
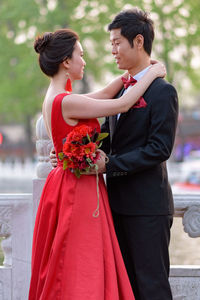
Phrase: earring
(68,86)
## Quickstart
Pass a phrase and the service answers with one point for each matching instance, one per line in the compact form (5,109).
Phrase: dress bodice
(60,129)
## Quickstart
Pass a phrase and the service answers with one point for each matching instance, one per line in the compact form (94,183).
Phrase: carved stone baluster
(43,147)
(187,206)
(5,232)
(191,221)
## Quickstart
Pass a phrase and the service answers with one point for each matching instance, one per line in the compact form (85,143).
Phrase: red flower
(79,150)
(89,148)
(78,133)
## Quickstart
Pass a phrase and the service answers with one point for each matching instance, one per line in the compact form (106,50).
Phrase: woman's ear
(66,63)
(139,41)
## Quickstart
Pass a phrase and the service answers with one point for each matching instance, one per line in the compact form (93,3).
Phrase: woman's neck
(58,82)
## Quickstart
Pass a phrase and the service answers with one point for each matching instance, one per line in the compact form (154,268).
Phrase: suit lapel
(112,125)
(118,123)
(113,119)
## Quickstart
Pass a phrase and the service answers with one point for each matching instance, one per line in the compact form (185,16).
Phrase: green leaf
(88,138)
(77,173)
(61,155)
(102,136)
(89,162)
(100,144)
(65,164)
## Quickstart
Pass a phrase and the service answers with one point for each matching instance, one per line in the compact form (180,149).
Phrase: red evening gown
(75,255)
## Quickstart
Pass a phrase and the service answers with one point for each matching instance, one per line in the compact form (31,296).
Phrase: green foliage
(23,86)
(102,136)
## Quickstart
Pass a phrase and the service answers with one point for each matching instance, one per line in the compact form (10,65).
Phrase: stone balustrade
(185,280)
(187,206)
(17,215)
(16,230)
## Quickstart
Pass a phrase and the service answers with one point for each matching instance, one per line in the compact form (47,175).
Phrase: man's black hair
(133,22)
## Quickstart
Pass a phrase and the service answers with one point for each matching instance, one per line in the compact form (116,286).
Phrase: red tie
(128,82)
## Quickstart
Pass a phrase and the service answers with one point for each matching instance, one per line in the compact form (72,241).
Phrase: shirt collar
(139,75)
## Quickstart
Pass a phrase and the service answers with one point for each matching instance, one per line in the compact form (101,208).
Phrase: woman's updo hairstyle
(54,48)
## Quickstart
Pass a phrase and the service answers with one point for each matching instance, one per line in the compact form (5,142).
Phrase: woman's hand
(53,158)
(153,61)
(126,75)
(158,69)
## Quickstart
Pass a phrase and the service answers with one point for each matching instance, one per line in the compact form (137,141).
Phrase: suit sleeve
(106,142)
(161,136)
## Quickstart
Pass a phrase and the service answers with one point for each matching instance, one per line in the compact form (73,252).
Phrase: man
(140,142)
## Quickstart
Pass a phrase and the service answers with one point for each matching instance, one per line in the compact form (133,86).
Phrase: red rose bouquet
(79,149)
(80,153)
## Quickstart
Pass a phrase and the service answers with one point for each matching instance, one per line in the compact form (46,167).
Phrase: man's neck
(141,66)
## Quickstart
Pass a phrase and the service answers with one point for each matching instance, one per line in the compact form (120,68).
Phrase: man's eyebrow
(117,38)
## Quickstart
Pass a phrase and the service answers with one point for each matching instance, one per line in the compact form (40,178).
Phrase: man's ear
(138,41)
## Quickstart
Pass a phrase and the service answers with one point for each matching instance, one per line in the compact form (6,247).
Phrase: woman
(75,255)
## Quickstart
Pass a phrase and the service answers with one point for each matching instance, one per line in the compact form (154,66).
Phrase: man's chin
(120,67)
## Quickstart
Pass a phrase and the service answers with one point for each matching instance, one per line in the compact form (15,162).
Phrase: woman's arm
(82,107)
(112,89)
(109,91)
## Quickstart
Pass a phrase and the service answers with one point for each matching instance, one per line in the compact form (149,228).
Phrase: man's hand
(101,162)
(53,158)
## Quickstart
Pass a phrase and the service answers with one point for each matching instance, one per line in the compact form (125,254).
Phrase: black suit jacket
(138,148)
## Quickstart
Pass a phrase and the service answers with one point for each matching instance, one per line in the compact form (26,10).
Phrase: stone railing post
(5,232)
(187,206)
(43,148)
(16,230)
(185,280)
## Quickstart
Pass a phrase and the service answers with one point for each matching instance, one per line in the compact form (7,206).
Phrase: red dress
(75,256)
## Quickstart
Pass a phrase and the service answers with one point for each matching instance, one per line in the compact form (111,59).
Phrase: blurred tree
(22,84)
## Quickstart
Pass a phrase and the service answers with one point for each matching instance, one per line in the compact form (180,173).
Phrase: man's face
(126,57)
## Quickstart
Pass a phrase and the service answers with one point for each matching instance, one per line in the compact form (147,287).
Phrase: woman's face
(76,64)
